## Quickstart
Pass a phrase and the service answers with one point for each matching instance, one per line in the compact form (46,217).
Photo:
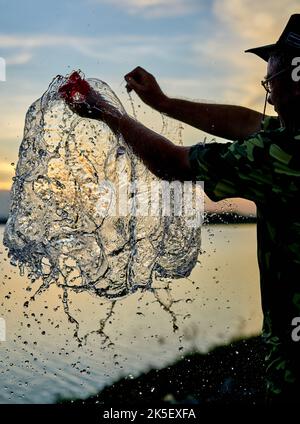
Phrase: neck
(291,122)
(290,118)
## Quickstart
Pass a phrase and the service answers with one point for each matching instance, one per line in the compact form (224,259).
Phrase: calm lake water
(40,361)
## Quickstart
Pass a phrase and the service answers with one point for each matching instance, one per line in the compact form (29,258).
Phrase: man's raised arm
(160,155)
(226,121)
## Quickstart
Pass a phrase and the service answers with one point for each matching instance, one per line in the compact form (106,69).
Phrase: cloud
(19,58)
(40,40)
(255,20)
(21,47)
(156,8)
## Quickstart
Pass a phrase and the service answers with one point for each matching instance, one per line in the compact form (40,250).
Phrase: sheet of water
(83,216)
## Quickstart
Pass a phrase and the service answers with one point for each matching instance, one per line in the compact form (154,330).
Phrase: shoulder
(270,130)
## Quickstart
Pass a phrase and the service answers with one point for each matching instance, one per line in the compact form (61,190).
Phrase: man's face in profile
(285,93)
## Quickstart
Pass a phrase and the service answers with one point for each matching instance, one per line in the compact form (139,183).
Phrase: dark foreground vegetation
(227,375)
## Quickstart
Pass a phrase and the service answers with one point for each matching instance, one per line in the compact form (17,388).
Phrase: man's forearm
(226,121)
(164,159)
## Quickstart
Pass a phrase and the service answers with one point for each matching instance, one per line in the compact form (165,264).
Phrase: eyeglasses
(266,82)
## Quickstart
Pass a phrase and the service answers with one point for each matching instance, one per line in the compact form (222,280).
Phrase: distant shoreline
(228,218)
(212,219)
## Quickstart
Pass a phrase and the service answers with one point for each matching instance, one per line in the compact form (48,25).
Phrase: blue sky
(193,47)
(51,37)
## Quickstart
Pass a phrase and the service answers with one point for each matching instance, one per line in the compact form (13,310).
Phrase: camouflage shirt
(265,168)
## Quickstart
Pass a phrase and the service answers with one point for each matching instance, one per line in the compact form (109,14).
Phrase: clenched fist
(146,87)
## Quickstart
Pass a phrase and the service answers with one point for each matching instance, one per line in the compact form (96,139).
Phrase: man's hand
(91,107)
(80,96)
(146,87)
(86,102)
(97,107)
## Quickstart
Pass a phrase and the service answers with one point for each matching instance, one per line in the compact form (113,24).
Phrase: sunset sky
(195,48)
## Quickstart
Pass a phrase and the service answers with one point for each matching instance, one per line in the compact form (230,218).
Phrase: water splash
(57,229)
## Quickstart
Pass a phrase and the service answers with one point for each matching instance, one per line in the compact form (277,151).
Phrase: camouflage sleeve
(244,168)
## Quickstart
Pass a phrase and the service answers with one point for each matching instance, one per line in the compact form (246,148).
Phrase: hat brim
(263,52)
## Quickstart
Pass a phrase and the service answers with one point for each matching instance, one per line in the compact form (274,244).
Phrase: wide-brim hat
(289,41)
